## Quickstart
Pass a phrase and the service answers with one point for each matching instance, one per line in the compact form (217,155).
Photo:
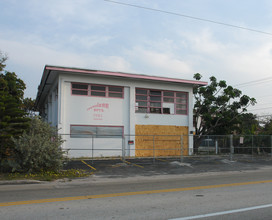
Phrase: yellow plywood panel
(161,140)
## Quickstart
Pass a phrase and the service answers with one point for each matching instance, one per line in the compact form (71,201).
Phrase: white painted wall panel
(160,119)
(98,147)
(84,110)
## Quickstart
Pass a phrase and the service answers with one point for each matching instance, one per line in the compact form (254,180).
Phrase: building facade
(103,113)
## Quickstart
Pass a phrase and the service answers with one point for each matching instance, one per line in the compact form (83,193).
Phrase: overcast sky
(103,35)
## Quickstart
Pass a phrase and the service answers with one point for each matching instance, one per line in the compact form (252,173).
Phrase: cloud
(203,42)
(236,61)
(39,55)
(28,61)
(88,42)
(81,15)
(159,63)
(256,61)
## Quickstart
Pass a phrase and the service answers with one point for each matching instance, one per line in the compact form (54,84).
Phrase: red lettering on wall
(98,110)
(99,105)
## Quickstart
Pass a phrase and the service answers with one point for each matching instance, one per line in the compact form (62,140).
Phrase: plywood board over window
(161,140)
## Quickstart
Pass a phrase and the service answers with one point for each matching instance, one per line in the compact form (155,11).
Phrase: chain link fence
(255,145)
(126,146)
(165,146)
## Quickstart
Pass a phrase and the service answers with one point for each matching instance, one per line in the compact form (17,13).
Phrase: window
(141,100)
(79,131)
(155,101)
(115,92)
(181,103)
(97,90)
(168,96)
(89,131)
(80,89)
(161,102)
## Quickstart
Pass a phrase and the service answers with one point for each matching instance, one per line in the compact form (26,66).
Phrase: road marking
(130,193)
(133,164)
(88,165)
(224,212)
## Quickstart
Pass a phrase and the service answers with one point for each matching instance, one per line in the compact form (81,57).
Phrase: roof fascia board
(43,82)
(126,75)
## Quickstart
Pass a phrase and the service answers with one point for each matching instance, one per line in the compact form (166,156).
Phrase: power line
(264,104)
(250,83)
(265,96)
(189,16)
(250,110)
(256,84)
(261,103)
(261,116)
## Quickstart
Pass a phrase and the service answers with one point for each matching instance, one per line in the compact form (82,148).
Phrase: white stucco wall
(100,111)
(51,105)
(80,110)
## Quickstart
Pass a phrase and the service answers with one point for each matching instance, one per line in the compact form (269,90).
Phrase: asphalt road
(213,195)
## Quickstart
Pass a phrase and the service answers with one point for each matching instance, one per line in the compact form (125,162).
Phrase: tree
(37,149)
(29,106)
(3,59)
(13,120)
(267,126)
(248,124)
(218,107)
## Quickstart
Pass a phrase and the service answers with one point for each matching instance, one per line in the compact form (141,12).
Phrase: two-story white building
(104,113)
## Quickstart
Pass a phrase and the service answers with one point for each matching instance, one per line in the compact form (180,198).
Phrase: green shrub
(38,149)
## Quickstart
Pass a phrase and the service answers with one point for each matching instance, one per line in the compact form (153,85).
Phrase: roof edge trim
(125,75)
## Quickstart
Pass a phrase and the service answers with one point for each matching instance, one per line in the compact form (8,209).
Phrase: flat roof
(56,69)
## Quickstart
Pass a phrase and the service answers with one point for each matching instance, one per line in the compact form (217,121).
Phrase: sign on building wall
(98,110)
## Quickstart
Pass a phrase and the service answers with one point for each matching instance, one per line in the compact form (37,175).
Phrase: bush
(38,149)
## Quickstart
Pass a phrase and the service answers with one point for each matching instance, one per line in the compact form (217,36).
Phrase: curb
(19,182)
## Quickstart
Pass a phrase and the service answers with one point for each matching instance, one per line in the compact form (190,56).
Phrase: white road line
(224,212)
